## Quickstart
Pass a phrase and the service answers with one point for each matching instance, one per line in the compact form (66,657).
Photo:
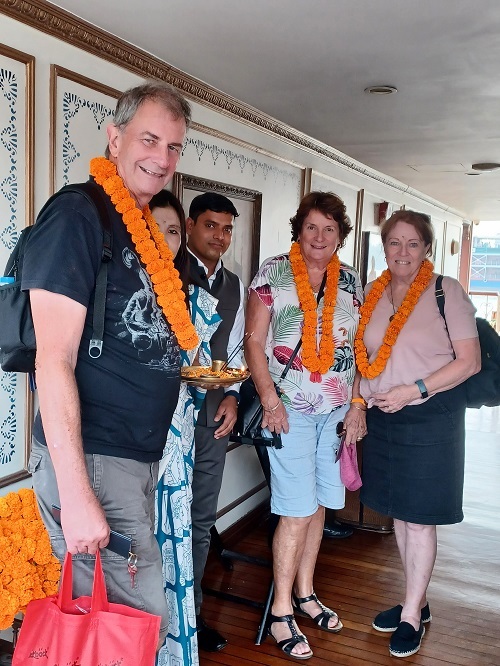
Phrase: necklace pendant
(392,317)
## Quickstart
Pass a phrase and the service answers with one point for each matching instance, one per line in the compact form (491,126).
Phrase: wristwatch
(422,388)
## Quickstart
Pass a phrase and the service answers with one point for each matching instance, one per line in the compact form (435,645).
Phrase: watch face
(422,388)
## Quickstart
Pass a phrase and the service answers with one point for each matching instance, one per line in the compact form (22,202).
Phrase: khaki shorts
(126,490)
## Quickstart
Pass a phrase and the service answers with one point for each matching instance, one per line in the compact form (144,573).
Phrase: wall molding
(56,22)
(244,144)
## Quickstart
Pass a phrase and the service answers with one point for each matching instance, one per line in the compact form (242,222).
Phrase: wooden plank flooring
(361,575)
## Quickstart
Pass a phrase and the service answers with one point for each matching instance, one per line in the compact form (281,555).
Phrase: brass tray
(204,376)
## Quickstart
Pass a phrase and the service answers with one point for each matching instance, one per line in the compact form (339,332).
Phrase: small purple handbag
(349,472)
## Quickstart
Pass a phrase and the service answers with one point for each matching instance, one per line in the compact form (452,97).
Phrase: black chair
(227,558)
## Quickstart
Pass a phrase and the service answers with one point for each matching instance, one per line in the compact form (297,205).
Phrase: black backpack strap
(440,297)
(440,300)
(95,193)
(14,265)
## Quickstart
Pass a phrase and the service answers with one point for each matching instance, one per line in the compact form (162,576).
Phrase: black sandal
(288,644)
(322,618)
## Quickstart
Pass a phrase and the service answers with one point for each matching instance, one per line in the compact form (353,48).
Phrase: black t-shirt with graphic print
(129,394)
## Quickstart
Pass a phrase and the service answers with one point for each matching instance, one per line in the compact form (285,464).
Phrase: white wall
(220,147)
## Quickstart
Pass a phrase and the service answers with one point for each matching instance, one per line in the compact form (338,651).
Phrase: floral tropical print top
(304,391)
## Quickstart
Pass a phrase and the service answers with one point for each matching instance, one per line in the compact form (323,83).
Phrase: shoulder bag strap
(299,343)
(95,193)
(440,300)
(440,297)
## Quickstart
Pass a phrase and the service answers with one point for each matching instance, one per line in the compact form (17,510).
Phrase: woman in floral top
(319,391)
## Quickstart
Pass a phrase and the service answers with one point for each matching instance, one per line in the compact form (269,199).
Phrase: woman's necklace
(152,249)
(311,360)
(392,303)
(315,287)
(396,321)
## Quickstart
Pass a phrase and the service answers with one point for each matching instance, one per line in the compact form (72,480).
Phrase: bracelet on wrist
(358,407)
(272,409)
(359,400)
(422,388)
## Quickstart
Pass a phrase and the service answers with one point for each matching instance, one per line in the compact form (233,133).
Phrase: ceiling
(307,64)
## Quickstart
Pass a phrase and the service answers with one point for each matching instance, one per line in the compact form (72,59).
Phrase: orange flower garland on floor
(310,359)
(28,570)
(418,286)
(152,249)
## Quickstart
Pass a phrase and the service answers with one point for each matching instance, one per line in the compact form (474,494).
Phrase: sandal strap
(323,617)
(282,618)
(287,644)
(304,600)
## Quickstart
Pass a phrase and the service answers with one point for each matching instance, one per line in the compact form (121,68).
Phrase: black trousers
(210,456)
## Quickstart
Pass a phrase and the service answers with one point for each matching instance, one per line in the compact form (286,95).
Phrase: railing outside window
(487,304)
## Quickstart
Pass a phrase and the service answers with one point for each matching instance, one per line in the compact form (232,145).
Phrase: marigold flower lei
(313,361)
(28,570)
(152,249)
(418,286)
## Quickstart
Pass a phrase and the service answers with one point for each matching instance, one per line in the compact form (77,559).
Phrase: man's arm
(59,322)
(228,408)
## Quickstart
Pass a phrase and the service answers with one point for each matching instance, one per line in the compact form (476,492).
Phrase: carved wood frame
(29,62)
(57,72)
(182,182)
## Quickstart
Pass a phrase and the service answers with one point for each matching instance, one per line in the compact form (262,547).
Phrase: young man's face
(147,150)
(210,236)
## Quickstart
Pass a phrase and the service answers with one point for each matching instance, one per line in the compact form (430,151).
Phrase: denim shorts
(126,490)
(304,474)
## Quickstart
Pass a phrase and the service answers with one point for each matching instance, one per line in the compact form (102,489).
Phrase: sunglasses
(341,434)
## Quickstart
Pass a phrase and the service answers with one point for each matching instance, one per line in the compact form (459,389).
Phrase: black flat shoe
(406,640)
(209,638)
(288,644)
(336,530)
(388,620)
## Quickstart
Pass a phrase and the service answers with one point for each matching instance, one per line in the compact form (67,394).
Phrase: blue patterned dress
(174,495)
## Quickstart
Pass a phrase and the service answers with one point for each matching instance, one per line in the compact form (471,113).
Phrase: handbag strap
(99,594)
(65,594)
(299,343)
(99,600)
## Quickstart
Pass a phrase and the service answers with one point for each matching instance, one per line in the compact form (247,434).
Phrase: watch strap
(422,388)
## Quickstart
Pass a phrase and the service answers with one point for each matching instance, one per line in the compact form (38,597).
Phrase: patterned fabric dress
(174,495)
(304,391)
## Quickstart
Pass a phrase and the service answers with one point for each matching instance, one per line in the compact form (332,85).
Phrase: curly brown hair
(420,221)
(329,205)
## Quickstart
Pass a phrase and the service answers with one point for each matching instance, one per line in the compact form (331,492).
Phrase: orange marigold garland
(313,361)
(418,286)
(152,249)
(28,570)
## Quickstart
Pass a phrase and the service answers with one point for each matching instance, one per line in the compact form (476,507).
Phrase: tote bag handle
(99,600)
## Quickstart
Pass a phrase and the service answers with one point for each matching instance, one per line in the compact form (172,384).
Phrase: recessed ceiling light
(381,90)
(486,166)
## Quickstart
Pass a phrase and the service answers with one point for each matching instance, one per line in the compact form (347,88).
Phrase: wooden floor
(361,575)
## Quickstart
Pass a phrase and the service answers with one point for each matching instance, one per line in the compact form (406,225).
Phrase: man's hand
(84,525)
(227,411)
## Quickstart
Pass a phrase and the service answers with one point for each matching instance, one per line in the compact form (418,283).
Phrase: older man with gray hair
(103,421)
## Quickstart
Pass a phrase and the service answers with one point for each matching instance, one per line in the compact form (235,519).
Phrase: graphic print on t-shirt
(145,322)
